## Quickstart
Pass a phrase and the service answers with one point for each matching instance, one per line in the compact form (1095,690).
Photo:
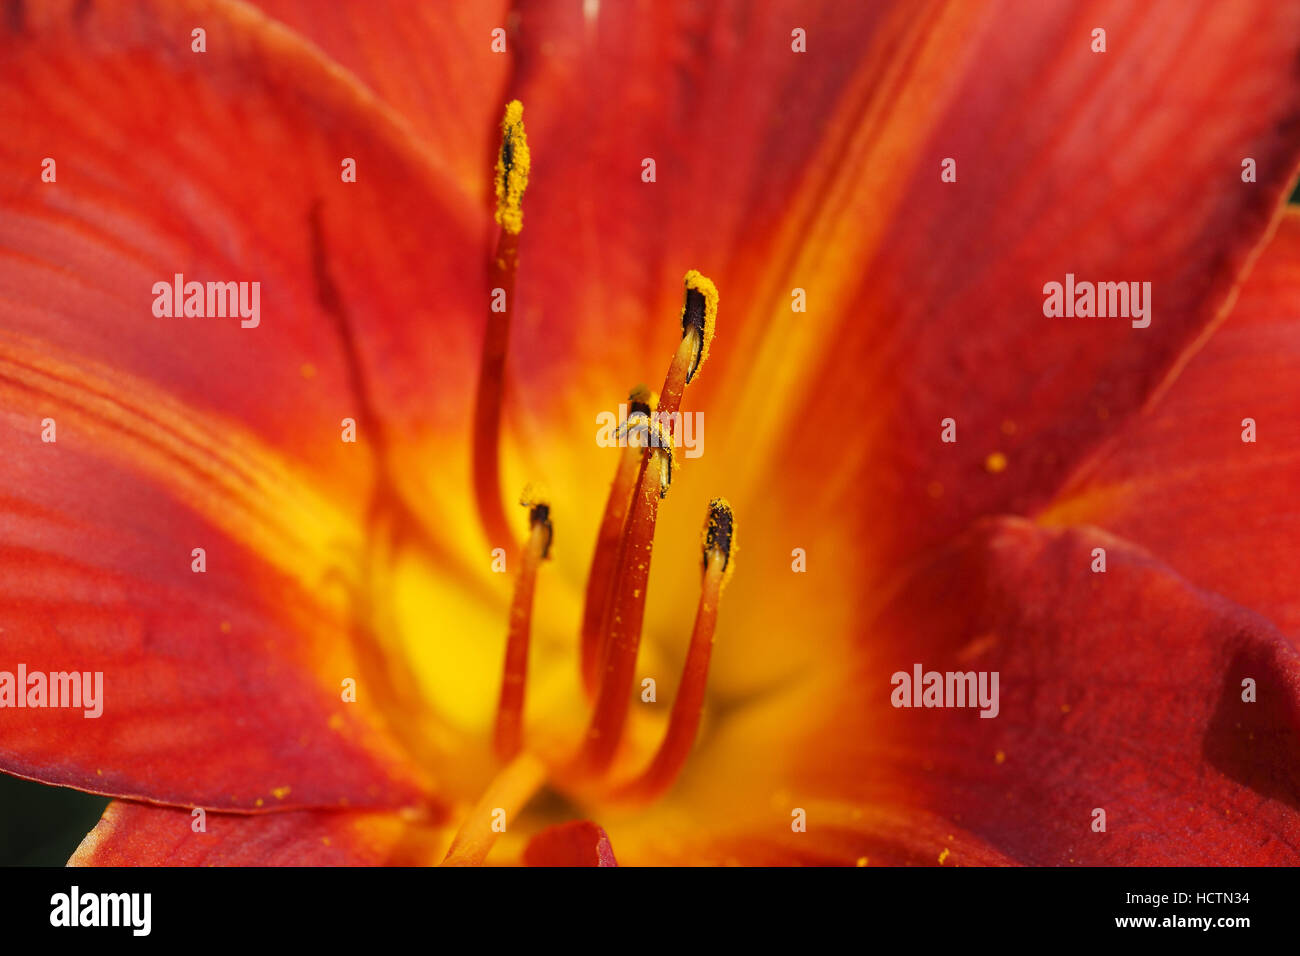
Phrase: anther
(513,166)
(641,401)
(699,315)
(719,534)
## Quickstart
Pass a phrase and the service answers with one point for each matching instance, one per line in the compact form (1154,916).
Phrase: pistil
(627,609)
(513,164)
(604,561)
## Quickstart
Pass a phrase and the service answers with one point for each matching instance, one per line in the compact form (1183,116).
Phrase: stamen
(510,791)
(719,550)
(512,170)
(700,314)
(627,609)
(699,317)
(600,579)
(622,629)
(508,736)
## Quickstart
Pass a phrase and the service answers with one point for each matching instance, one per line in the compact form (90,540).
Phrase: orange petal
(1180,480)
(132,834)
(1122,166)
(224,688)
(219,166)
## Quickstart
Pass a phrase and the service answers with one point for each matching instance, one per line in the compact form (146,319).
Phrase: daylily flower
(324,680)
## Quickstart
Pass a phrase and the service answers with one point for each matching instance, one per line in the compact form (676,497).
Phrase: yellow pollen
(280,792)
(513,164)
(643,395)
(695,281)
(1000,757)
(535,493)
(863,861)
(995,462)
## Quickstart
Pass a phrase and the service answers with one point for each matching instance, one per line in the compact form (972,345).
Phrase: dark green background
(40,825)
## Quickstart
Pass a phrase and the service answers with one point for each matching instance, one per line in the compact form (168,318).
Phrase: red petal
(222,689)
(251,107)
(578,843)
(132,834)
(1180,481)
(1120,690)
(411,55)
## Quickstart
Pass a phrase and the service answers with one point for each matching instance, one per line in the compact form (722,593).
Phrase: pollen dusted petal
(134,834)
(1180,481)
(1060,170)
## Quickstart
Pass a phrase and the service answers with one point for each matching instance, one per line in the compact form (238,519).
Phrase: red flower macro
(283,532)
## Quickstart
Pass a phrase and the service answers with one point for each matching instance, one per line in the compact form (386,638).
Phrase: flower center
(615,596)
